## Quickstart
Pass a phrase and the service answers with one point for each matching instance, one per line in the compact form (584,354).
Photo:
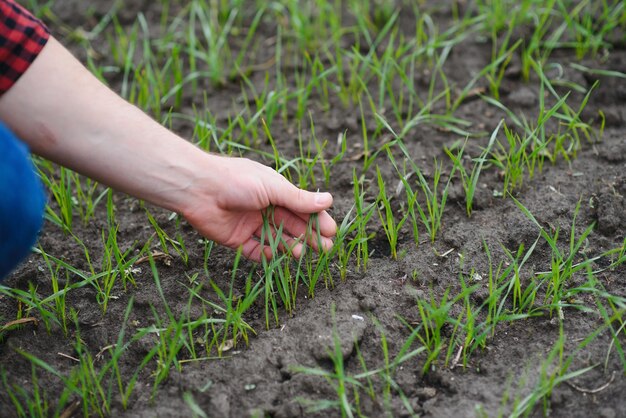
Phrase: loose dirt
(259,379)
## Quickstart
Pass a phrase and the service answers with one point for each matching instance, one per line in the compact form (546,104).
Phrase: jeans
(22,202)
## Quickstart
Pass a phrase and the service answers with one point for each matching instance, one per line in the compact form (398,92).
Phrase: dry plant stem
(592,391)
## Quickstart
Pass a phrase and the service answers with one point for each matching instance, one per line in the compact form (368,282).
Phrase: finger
(294,226)
(283,193)
(324,223)
(283,242)
(327,225)
(266,241)
(253,249)
(292,223)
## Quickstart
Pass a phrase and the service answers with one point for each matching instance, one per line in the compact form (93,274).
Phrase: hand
(223,198)
(228,203)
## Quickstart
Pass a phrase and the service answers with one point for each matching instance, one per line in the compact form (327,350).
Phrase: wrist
(195,176)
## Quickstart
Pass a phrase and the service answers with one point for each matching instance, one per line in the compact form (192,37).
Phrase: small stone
(348,333)
(614,151)
(220,405)
(426,393)
(513,72)
(287,410)
(558,397)
(480,295)
(367,305)
(607,412)
(352,124)
(613,117)
(524,97)
(333,123)
(256,413)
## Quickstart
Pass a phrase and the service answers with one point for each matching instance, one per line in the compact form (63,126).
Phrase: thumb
(289,196)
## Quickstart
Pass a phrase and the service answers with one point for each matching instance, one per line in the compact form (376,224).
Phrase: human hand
(223,198)
(227,205)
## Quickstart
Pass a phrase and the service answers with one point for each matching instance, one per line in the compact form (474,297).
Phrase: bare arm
(66,115)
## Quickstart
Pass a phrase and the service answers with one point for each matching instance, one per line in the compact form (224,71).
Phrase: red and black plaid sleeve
(22,37)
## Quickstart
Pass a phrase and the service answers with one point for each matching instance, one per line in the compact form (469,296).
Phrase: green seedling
(496,73)
(386,373)
(125,389)
(326,166)
(433,316)
(309,159)
(614,314)
(553,372)
(249,43)
(565,142)
(169,335)
(503,286)
(435,203)
(59,303)
(352,236)
(116,262)
(368,381)
(590,23)
(165,240)
(281,279)
(234,308)
(95,388)
(435,199)
(496,14)
(515,159)
(71,192)
(342,248)
(363,215)
(279,164)
(563,266)
(468,323)
(493,68)
(386,214)
(172,335)
(61,190)
(193,406)
(276,273)
(315,267)
(212,48)
(37,402)
(470,181)
(522,299)
(410,194)
(536,48)
(339,379)
(52,309)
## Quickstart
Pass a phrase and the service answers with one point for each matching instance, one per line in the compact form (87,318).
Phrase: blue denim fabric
(22,202)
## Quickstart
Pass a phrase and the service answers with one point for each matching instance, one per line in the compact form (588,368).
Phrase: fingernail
(322,198)
(298,250)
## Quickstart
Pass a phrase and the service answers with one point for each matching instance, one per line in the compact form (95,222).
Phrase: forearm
(66,115)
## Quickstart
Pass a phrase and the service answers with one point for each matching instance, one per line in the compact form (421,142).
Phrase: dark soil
(259,379)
